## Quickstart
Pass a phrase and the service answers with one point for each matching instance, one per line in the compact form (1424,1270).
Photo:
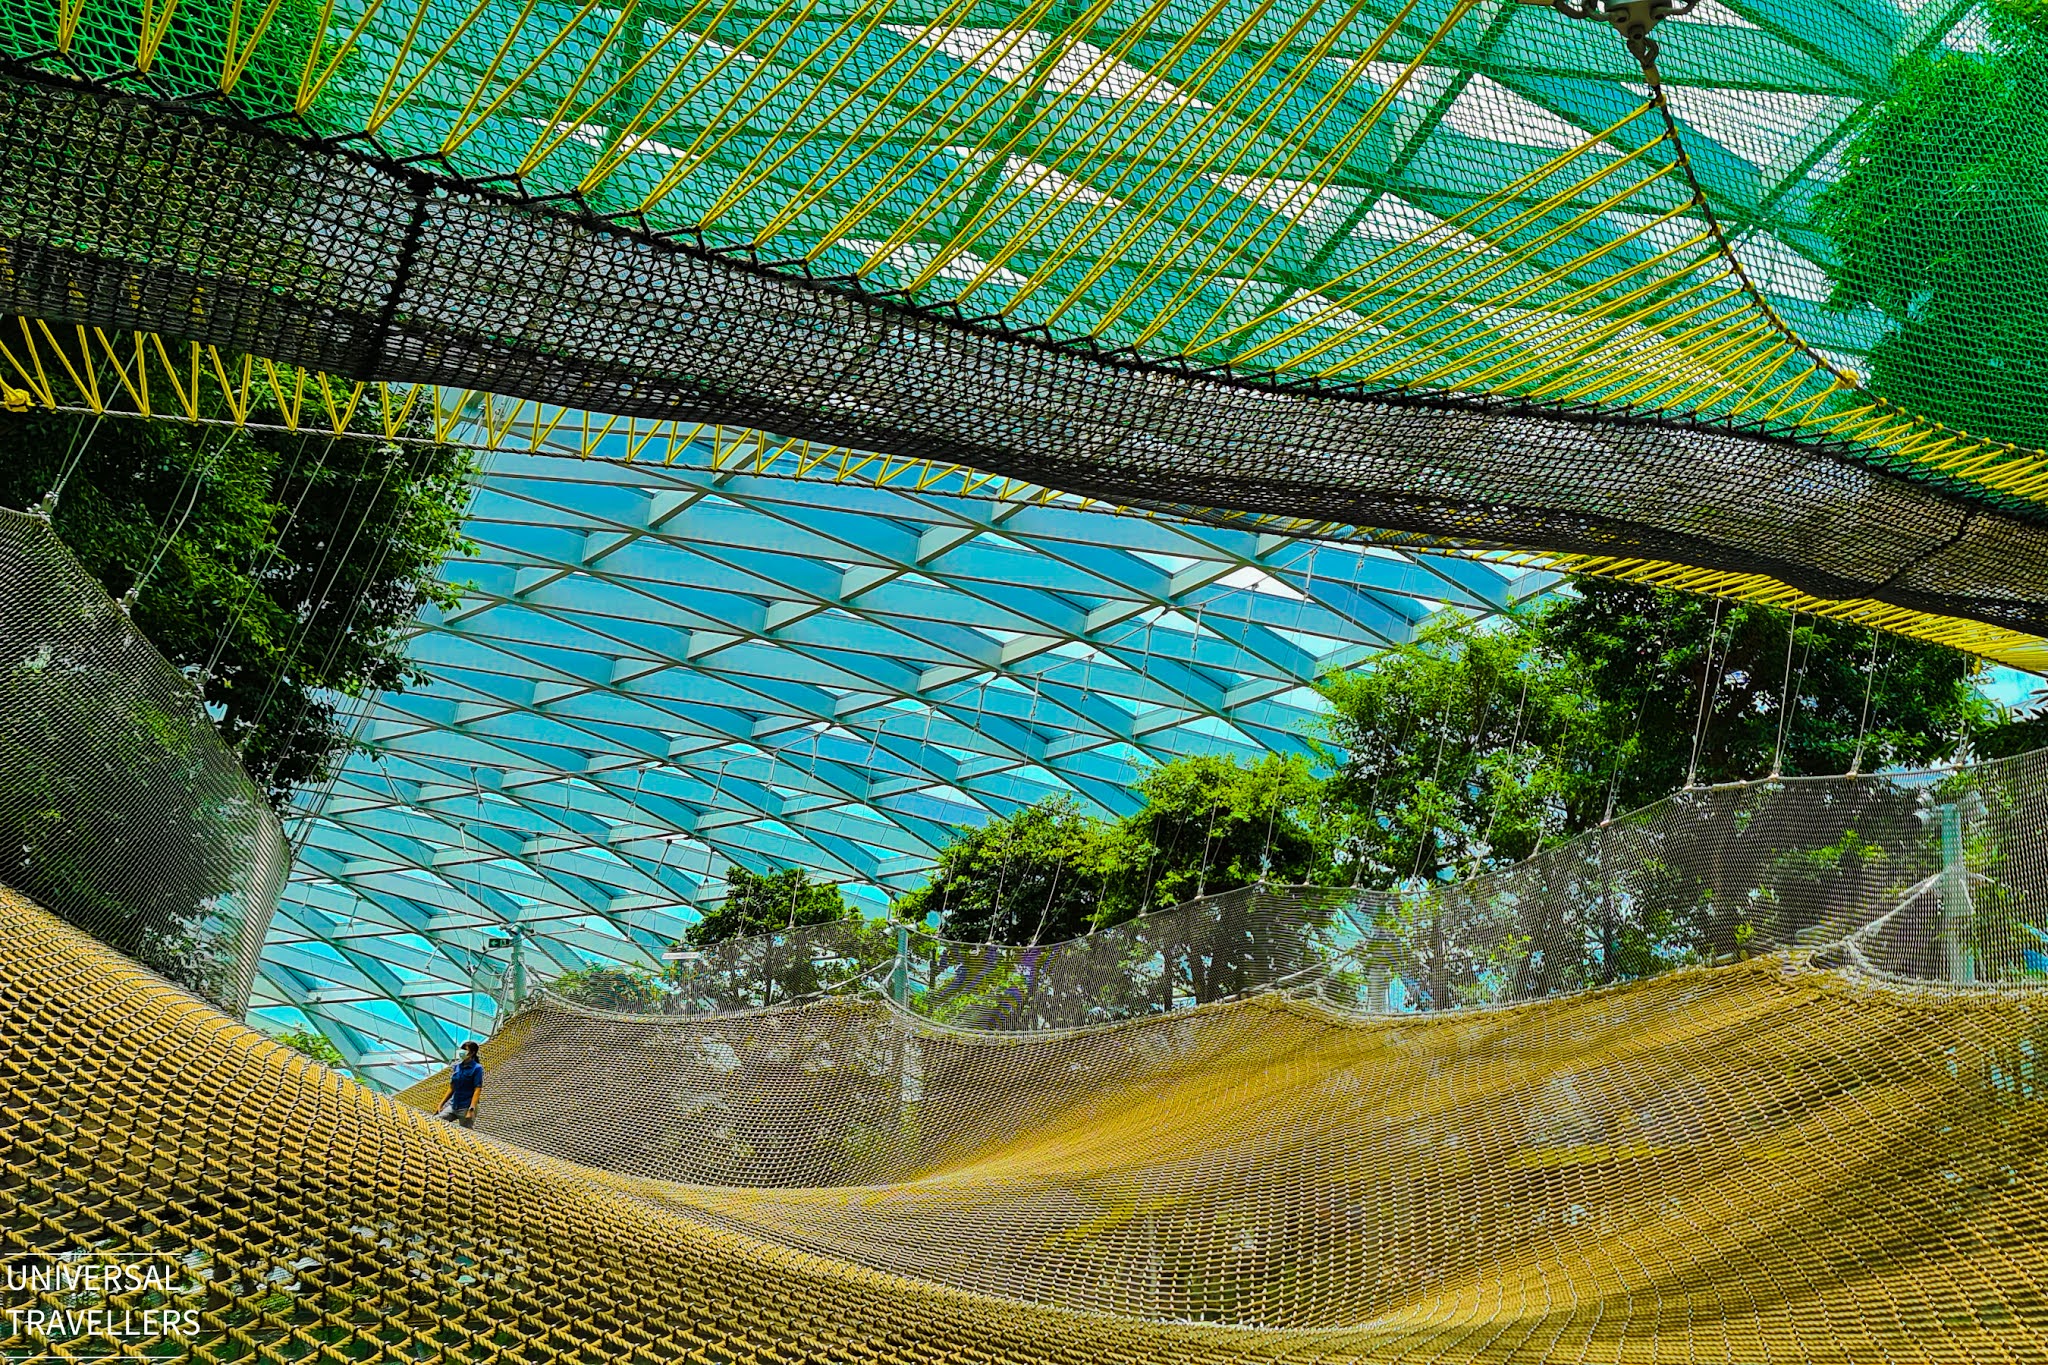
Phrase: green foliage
(1645,652)
(752,949)
(119,810)
(1479,744)
(1940,220)
(1474,747)
(1038,875)
(288,564)
(316,1046)
(1051,872)
(1471,746)
(766,903)
(1212,824)
(2022,732)
(610,988)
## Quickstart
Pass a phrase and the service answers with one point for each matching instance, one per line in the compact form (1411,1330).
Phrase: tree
(1212,824)
(768,903)
(1471,746)
(776,936)
(316,1046)
(1854,699)
(621,989)
(2025,730)
(1481,743)
(278,571)
(1051,872)
(1940,221)
(1033,876)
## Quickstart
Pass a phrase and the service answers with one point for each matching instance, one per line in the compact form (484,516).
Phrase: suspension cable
(168,533)
(1272,814)
(1784,696)
(355,603)
(270,554)
(315,591)
(1699,729)
(1514,750)
(1863,721)
(1208,837)
(1621,752)
(47,508)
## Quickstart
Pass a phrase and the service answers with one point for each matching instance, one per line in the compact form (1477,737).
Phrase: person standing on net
(465,1085)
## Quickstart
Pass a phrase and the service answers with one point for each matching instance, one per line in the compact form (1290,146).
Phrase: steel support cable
(195,479)
(1863,716)
(315,597)
(1707,684)
(268,556)
(320,603)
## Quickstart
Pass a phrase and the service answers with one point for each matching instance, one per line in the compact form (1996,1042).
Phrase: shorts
(466,1116)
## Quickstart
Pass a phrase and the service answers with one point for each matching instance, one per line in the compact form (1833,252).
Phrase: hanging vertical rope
(1863,720)
(1699,729)
(1784,699)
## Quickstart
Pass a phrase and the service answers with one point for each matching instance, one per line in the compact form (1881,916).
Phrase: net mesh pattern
(1247,939)
(1146,256)
(1756,1160)
(1936,876)
(122,810)
(1460,1097)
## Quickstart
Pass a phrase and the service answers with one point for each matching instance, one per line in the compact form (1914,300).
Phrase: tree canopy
(278,571)
(1480,743)
(767,903)
(1050,871)
(1475,746)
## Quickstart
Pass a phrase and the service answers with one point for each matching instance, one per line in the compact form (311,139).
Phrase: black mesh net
(120,809)
(119,212)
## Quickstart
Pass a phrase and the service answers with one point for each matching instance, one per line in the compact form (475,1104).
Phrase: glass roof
(657,669)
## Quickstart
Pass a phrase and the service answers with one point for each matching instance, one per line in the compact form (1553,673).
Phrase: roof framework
(660,669)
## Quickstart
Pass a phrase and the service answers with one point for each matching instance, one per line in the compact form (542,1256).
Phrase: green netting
(1455,266)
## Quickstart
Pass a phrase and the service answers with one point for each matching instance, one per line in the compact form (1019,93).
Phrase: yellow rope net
(1757,1161)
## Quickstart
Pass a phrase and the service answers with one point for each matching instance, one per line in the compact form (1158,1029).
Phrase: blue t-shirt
(469,1076)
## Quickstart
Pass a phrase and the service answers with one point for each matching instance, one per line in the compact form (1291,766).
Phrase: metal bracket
(1633,18)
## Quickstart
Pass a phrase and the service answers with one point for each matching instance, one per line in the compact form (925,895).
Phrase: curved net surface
(1251,938)
(1735,1163)
(1935,876)
(1458,267)
(120,808)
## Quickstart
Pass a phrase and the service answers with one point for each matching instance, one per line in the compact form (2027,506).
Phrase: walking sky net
(1471,268)
(1753,1074)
